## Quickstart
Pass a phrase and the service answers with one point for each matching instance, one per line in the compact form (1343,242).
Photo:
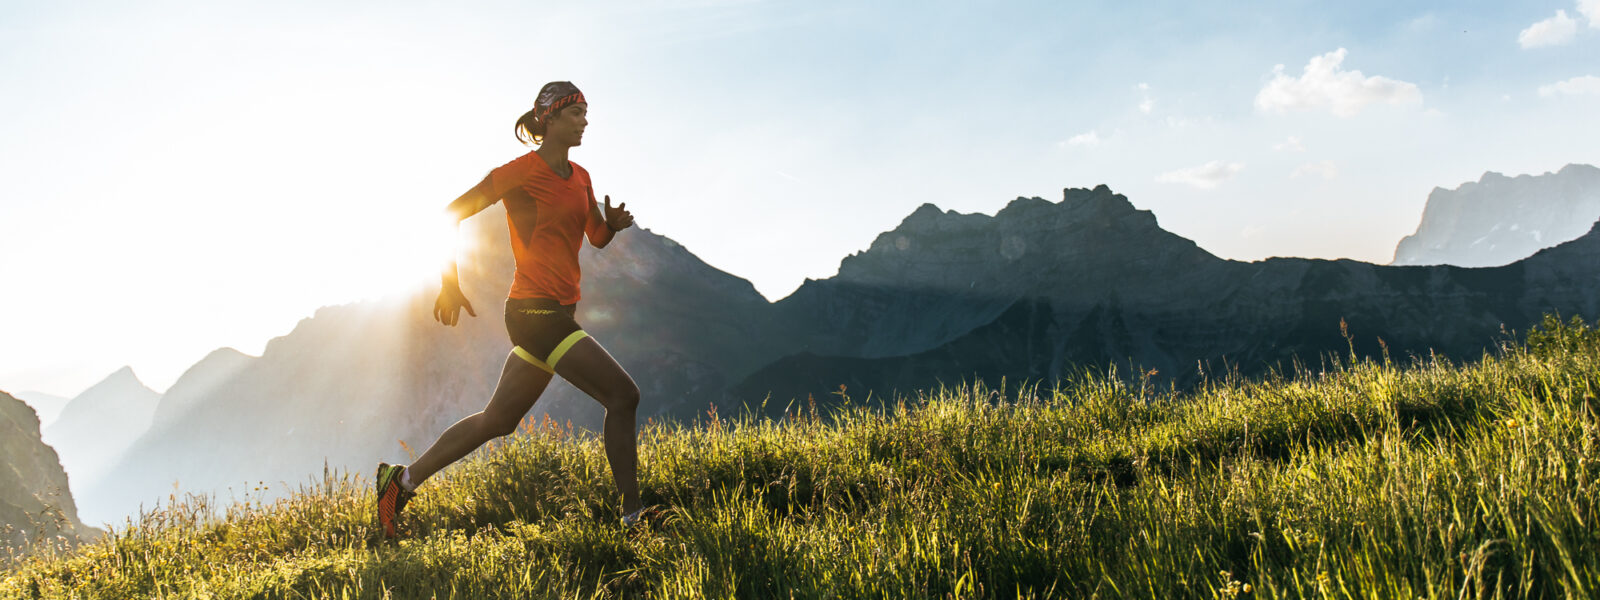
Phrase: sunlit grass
(1371,479)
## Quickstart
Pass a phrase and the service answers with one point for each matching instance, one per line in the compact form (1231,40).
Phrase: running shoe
(639,517)
(392,496)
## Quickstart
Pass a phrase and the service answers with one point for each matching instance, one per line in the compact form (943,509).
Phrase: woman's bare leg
(520,385)
(588,367)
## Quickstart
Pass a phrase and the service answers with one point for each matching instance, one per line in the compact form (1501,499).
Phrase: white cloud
(1290,145)
(1591,11)
(1146,105)
(1324,85)
(1577,86)
(1205,177)
(1325,168)
(1084,139)
(1553,31)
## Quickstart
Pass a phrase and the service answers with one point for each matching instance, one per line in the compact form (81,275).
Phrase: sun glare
(422,247)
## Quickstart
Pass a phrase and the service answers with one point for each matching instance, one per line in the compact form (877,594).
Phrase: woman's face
(566,127)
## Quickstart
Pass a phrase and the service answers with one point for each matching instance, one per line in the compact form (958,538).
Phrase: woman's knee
(624,398)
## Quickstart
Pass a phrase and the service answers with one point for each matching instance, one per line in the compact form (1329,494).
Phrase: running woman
(550,207)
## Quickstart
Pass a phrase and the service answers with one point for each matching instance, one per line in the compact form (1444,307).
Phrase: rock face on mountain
(1032,293)
(1499,219)
(99,423)
(1042,287)
(35,502)
(940,275)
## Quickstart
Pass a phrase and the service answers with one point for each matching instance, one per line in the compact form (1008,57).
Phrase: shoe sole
(386,480)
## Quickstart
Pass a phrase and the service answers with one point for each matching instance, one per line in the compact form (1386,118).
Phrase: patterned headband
(556,96)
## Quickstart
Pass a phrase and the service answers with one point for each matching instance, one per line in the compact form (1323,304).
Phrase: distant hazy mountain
(48,406)
(216,377)
(212,376)
(34,499)
(98,424)
(1502,219)
(1035,291)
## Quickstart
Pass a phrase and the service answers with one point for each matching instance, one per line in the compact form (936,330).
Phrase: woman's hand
(617,218)
(447,308)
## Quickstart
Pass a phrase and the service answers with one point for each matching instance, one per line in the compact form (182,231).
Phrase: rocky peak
(122,378)
(1499,219)
(100,422)
(1100,198)
(639,256)
(945,248)
(927,212)
(120,385)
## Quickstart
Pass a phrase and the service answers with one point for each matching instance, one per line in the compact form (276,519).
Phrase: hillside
(1366,478)
(35,501)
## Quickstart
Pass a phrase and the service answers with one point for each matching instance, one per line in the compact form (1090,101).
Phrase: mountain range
(1030,294)
(99,423)
(1499,219)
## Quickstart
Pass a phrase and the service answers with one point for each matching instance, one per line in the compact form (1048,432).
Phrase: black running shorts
(542,330)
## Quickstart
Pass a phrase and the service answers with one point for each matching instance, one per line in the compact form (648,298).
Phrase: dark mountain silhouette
(35,502)
(1091,281)
(1035,291)
(1499,219)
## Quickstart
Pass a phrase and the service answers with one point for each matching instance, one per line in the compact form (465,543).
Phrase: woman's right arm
(447,307)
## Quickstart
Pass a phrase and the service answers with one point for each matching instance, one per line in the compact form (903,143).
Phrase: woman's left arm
(604,225)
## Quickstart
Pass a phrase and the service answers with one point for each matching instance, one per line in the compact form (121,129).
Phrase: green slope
(1367,480)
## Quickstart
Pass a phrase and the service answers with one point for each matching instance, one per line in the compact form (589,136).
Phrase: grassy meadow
(1383,478)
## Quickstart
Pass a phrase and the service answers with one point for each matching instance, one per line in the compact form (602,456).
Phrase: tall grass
(1368,479)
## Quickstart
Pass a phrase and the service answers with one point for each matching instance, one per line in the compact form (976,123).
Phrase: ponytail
(552,98)
(529,129)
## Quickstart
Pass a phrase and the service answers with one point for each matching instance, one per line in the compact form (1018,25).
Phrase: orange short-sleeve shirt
(548,216)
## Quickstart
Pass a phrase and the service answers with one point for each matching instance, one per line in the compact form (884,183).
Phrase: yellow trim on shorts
(528,356)
(565,345)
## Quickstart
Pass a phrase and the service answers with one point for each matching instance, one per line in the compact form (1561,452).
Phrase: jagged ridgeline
(1037,290)
(35,504)
(1497,219)
(1091,281)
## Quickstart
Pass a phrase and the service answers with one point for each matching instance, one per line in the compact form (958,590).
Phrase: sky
(177,177)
